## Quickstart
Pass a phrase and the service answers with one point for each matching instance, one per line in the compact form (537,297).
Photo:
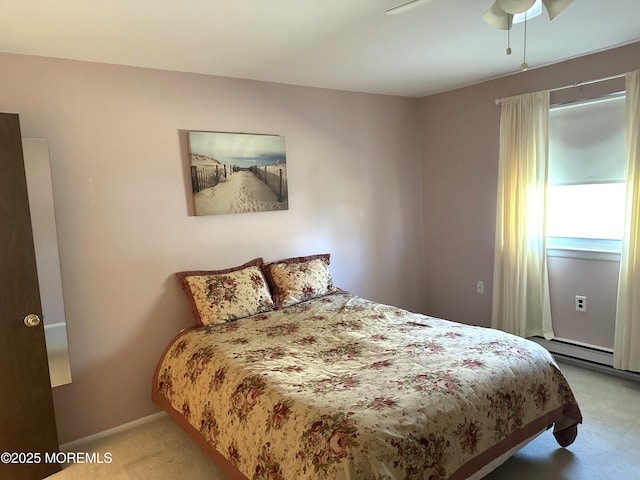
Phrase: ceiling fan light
(533,12)
(514,6)
(498,18)
(554,7)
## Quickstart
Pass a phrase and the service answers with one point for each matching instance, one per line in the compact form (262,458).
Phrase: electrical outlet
(480,287)
(581,303)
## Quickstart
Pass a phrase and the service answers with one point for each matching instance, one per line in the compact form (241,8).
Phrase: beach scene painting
(237,172)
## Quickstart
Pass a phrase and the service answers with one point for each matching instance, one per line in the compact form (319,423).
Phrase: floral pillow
(295,280)
(220,296)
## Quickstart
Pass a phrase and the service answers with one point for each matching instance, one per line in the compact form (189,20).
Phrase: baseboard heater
(578,351)
(584,355)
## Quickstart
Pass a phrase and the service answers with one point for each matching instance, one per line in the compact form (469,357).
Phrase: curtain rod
(577,84)
(590,82)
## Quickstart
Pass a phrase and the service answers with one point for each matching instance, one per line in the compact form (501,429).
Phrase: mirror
(45,239)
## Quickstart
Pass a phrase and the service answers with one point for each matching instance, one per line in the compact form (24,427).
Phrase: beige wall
(365,173)
(118,158)
(460,162)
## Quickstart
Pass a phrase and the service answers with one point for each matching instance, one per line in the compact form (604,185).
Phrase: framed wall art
(237,172)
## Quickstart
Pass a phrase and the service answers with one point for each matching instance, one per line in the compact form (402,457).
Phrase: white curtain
(520,283)
(626,348)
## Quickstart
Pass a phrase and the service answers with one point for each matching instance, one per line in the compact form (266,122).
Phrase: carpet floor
(606,447)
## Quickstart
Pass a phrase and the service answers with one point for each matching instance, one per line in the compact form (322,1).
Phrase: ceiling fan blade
(404,7)
(554,7)
(498,18)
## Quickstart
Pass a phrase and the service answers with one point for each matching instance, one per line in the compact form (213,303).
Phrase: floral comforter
(343,388)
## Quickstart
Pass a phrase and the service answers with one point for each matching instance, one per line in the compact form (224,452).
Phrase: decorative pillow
(219,296)
(294,280)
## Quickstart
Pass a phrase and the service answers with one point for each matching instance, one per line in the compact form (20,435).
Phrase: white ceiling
(340,44)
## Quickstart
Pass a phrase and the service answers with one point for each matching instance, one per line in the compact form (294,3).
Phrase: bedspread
(343,388)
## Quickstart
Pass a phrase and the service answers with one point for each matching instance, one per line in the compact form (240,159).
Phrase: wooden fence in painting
(207,176)
(275,178)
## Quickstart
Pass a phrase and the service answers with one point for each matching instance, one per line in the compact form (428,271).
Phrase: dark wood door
(27,423)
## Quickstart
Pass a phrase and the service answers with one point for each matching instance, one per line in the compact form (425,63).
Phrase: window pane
(586,211)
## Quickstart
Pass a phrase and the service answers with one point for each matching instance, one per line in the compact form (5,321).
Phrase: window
(587,164)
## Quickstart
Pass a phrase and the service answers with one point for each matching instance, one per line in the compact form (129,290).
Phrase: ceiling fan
(501,13)
(504,13)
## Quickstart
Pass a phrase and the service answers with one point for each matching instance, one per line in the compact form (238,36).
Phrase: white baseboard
(81,444)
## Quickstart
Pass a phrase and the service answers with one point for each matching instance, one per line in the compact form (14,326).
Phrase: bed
(285,376)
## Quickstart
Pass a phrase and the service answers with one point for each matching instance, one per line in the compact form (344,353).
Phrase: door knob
(32,320)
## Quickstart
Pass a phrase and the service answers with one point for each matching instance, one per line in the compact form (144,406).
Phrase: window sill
(584,248)
(584,254)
